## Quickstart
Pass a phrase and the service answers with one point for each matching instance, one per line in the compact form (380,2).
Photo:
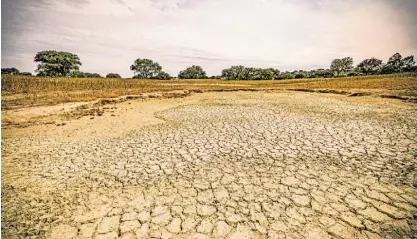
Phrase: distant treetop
(145,68)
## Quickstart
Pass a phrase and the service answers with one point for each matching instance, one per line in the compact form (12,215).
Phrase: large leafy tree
(369,66)
(113,75)
(56,63)
(342,65)
(193,72)
(395,63)
(145,68)
(235,73)
(10,71)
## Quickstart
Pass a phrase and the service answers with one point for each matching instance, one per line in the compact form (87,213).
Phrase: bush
(80,74)
(113,75)
(10,71)
(162,76)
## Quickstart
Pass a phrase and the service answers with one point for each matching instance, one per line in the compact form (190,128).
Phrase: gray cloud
(125,5)
(109,34)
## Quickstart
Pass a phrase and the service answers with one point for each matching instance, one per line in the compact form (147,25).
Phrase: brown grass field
(25,91)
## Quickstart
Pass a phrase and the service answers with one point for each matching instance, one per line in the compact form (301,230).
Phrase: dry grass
(22,91)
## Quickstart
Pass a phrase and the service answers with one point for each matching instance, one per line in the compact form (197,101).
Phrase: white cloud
(109,34)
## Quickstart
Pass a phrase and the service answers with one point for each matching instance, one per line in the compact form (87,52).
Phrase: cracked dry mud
(219,165)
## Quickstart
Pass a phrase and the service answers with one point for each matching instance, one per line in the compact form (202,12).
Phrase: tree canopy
(396,64)
(145,68)
(56,63)
(193,72)
(342,65)
(408,64)
(369,66)
(250,73)
(234,73)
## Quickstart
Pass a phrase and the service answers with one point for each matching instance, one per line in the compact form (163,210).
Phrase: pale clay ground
(217,165)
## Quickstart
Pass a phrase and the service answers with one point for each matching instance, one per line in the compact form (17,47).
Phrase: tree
(193,72)
(145,68)
(113,75)
(235,73)
(56,63)
(394,64)
(408,64)
(25,73)
(341,65)
(269,74)
(337,66)
(10,71)
(323,73)
(251,73)
(369,66)
(274,73)
(162,76)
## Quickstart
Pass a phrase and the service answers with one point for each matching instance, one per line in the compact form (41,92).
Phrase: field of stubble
(27,91)
(217,165)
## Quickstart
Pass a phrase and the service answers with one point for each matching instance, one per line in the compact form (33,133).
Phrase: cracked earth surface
(218,165)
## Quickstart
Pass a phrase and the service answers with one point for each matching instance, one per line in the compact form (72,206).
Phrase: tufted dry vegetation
(23,91)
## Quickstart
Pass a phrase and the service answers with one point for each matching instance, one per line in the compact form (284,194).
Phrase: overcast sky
(108,35)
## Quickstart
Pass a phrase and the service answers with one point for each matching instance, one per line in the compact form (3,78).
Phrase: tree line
(65,64)
(14,71)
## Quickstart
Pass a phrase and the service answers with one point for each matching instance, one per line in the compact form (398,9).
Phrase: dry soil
(217,165)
